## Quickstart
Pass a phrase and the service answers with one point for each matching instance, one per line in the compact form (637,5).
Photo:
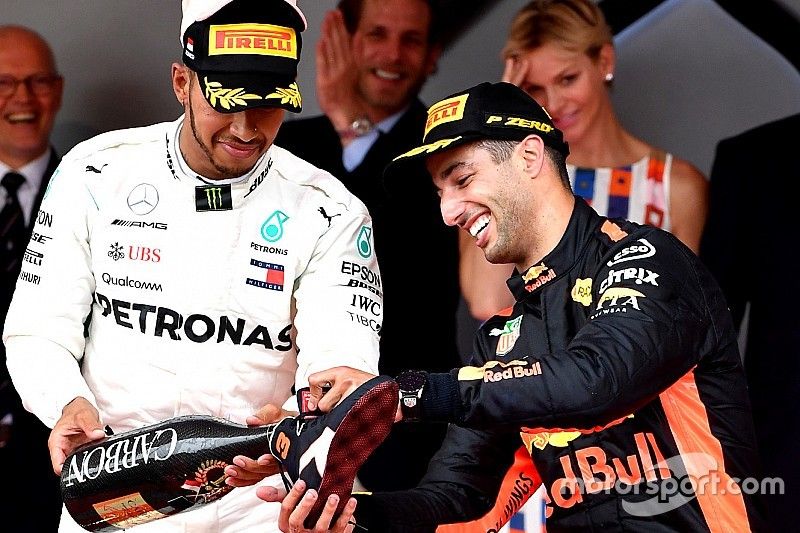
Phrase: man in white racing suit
(191,267)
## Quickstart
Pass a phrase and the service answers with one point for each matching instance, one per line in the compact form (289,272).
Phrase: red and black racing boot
(326,451)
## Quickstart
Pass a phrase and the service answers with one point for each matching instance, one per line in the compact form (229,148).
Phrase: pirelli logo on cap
(445,111)
(253,39)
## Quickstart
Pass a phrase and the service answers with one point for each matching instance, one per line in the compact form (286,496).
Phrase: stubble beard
(224,172)
(509,225)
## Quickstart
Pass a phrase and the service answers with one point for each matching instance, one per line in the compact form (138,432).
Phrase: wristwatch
(358,128)
(411,384)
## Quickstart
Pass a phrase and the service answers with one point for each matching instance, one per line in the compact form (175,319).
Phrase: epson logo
(139,224)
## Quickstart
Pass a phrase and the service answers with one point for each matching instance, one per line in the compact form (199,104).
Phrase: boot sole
(363,429)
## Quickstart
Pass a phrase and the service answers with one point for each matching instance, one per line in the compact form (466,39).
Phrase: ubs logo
(143,199)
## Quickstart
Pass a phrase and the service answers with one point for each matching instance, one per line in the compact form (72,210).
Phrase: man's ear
(432,61)
(181,78)
(531,151)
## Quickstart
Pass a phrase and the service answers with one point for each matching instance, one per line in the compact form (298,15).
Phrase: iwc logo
(143,199)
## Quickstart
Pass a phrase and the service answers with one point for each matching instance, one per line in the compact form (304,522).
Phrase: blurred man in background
(30,97)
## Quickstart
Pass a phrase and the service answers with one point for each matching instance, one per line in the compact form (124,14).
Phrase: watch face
(411,380)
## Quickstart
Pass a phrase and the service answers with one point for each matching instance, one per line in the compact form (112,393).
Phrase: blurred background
(690,72)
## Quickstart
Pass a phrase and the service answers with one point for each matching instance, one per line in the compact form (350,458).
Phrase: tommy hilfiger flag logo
(273,277)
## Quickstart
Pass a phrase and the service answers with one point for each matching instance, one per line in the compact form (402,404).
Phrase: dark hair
(501,150)
(351,10)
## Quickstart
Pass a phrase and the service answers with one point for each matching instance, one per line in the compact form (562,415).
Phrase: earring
(610,76)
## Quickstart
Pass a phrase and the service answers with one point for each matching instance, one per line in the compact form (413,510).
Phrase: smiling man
(617,366)
(30,97)
(192,267)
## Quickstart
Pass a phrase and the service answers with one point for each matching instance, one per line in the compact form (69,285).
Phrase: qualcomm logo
(143,199)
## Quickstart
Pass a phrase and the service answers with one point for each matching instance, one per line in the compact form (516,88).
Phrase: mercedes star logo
(143,199)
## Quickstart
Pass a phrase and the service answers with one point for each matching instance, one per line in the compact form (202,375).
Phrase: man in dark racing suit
(618,363)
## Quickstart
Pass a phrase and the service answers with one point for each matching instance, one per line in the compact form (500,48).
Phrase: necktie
(12,228)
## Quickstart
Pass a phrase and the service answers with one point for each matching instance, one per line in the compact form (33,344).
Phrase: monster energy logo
(213,198)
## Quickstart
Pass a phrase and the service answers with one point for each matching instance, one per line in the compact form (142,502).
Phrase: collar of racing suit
(180,169)
(583,222)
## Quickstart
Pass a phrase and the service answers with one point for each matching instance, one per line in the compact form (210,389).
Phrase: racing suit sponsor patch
(273,277)
(163,321)
(598,472)
(582,291)
(33,257)
(364,242)
(142,199)
(508,335)
(641,250)
(617,300)
(638,275)
(213,198)
(498,371)
(272,228)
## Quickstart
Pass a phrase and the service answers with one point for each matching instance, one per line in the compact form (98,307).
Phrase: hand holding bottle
(159,470)
(79,424)
(246,471)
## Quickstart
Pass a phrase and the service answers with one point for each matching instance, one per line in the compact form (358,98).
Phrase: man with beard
(617,367)
(192,267)
(372,60)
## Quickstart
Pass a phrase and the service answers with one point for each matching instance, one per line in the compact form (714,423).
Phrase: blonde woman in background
(561,53)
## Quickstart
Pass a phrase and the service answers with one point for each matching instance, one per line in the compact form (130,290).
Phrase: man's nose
(451,208)
(243,125)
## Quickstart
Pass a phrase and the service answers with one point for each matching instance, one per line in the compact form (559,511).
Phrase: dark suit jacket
(418,257)
(26,459)
(749,244)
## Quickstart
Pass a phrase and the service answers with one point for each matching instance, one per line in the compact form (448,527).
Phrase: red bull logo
(597,472)
(541,280)
(534,272)
(253,39)
(498,371)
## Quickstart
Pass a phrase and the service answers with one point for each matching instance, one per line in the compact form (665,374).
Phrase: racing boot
(327,450)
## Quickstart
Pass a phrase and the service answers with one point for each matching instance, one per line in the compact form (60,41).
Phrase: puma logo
(90,168)
(328,218)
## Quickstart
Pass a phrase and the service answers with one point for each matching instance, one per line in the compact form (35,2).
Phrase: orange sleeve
(519,483)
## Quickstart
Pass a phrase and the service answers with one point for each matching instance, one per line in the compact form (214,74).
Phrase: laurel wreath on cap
(228,98)
(290,95)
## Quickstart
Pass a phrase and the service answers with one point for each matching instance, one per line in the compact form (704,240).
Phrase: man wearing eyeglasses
(30,97)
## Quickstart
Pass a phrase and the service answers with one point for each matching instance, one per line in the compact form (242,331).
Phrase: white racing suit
(154,293)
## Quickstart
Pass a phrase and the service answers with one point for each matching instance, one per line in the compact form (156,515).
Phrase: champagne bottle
(155,471)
